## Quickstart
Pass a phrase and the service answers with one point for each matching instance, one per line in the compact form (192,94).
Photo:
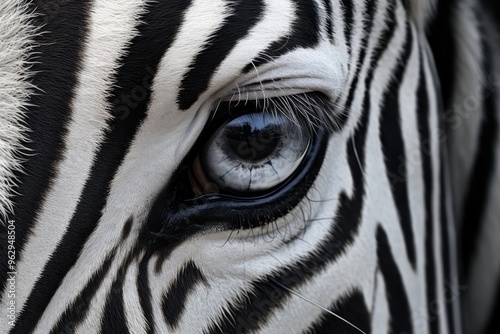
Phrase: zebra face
(228,166)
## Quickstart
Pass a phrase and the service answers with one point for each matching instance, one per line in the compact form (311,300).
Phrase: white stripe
(338,21)
(381,316)
(408,105)
(134,315)
(435,307)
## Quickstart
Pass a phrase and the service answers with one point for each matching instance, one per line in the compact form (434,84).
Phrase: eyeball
(254,152)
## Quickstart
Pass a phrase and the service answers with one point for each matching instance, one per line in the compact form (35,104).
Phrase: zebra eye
(253,152)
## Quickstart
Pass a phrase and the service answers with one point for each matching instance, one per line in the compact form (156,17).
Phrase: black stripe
(174,301)
(443,46)
(305,34)
(425,151)
(391,137)
(329,25)
(47,113)
(127,228)
(248,313)
(74,315)
(145,293)
(368,16)
(113,320)
(348,21)
(156,33)
(479,186)
(351,308)
(244,16)
(399,307)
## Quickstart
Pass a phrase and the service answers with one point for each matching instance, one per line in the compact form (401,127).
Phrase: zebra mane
(16,35)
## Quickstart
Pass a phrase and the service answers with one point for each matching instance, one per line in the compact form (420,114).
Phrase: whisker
(317,305)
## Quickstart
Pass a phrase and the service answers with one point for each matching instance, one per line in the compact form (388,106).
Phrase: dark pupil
(251,144)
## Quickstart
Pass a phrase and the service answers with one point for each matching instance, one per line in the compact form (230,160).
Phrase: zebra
(237,166)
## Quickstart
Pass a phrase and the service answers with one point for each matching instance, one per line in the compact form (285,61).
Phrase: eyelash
(308,110)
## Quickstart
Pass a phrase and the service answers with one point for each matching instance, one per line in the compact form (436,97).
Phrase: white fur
(16,46)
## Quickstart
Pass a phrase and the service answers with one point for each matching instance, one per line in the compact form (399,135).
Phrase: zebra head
(221,166)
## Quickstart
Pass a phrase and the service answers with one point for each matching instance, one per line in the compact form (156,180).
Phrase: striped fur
(94,175)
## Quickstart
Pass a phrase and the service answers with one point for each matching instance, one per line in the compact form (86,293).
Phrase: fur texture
(16,35)
(109,237)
